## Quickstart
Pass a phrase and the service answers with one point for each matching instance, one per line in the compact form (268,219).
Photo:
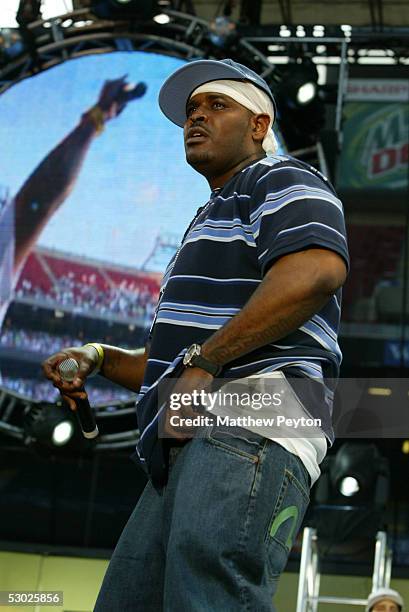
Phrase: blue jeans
(218,536)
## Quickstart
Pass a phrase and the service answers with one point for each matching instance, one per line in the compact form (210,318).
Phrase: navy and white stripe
(271,208)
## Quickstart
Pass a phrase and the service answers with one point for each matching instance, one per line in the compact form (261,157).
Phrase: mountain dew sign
(375,144)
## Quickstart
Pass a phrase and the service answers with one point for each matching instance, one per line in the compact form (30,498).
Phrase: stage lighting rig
(52,428)
(354,470)
(351,494)
(222,32)
(301,111)
(300,82)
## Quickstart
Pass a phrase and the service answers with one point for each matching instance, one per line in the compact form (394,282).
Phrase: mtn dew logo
(375,152)
(386,144)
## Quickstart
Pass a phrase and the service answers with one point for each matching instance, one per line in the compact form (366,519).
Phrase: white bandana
(250,97)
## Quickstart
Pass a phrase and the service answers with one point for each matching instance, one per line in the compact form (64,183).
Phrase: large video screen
(133,184)
(90,214)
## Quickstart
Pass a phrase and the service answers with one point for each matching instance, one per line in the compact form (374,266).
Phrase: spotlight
(301,112)
(162,18)
(354,469)
(350,496)
(300,82)
(62,433)
(306,93)
(349,486)
(52,427)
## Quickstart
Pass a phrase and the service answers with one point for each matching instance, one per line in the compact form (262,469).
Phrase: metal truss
(81,33)
(187,36)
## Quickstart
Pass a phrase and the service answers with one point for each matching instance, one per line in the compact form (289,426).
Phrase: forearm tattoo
(246,341)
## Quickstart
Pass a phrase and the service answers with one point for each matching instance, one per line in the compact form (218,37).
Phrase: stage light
(82,24)
(299,83)
(62,433)
(301,111)
(350,496)
(162,18)
(223,31)
(306,93)
(285,32)
(318,31)
(354,468)
(300,32)
(349,486)
(53,427)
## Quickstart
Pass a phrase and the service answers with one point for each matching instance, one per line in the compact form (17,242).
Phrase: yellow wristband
(101,356)
(96,114)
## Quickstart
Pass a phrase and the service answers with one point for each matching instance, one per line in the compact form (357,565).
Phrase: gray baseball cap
(177,88)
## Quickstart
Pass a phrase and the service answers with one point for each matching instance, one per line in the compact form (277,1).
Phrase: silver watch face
(193,351)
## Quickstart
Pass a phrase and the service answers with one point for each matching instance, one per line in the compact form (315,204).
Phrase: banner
(377,90)
(375,147)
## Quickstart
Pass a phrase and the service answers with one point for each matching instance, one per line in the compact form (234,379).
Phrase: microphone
(129,92)
(68,370)
(132,91)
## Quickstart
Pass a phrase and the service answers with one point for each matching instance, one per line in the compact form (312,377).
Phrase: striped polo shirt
(273,207)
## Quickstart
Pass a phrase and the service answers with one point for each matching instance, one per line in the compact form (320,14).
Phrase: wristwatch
(194,359)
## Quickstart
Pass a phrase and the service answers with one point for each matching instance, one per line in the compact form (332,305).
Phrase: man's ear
(259,126)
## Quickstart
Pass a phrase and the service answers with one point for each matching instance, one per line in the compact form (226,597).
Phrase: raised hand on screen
(116,94)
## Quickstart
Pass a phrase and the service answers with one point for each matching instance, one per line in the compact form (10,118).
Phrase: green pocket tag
(288,513)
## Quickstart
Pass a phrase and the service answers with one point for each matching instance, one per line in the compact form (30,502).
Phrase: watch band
(193,358)
(198,361)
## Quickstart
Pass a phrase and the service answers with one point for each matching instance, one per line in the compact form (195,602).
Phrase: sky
(134,184)
(50,8)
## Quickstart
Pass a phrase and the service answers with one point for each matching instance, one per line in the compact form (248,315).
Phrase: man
(253,289)
(23,218)
(385,600)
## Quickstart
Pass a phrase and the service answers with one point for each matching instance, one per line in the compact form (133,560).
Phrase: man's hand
(192,379)
(116,94)
(87,359)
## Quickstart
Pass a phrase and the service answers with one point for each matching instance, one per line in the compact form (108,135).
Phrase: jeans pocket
(237,441)
(285,522)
